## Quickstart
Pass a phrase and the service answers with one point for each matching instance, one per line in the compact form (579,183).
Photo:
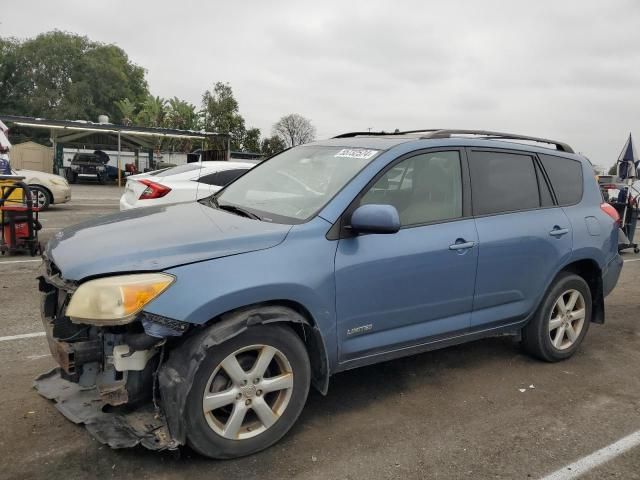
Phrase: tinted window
(566,178)
(222,178)
(503,182)
(211,179)
(228,176)
(425,188)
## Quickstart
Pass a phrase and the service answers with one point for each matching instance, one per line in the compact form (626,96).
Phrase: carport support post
(54,138)
(119,173)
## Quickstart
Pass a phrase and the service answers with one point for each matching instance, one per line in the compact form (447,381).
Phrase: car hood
(157,238)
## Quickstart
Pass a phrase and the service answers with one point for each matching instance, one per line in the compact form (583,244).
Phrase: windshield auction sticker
(356,153)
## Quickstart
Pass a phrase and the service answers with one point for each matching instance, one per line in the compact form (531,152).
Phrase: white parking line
(588,463)
(632,260)
(24,335)
(20,261)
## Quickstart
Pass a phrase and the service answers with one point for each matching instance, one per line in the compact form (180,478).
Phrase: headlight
(61,182)
(116,300)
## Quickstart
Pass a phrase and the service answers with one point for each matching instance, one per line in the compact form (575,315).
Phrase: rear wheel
(562,321)
(247,392)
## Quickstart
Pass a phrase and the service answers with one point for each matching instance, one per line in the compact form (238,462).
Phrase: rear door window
(566,178)
(503,182)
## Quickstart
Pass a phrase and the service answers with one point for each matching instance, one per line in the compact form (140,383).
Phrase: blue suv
(209,321)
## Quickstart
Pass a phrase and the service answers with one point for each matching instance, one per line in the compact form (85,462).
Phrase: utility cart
(18,217)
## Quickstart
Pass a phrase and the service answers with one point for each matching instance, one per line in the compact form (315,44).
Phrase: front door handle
(461,245)
(558,232)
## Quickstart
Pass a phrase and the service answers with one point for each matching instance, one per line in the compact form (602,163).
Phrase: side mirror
(375,218)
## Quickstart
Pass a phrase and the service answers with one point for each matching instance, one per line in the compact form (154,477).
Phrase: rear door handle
(461,245)
(558,232)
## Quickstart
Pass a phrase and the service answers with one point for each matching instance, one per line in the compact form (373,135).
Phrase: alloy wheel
(39,197)
(248,392)
(567,319)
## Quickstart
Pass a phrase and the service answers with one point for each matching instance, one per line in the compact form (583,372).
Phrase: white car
(47,188)
(184,183)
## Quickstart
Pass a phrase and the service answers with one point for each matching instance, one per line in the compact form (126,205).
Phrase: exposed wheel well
(305,327)
(590,271)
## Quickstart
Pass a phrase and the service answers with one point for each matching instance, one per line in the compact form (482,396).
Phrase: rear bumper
(611,274)
(124,205)
(117,428)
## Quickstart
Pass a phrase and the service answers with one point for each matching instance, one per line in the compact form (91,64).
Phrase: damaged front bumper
(107,376)
(117,427)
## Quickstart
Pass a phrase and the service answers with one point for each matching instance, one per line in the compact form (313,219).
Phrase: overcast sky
(561,69)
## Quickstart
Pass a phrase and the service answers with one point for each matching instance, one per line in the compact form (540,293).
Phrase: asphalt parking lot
(481,410)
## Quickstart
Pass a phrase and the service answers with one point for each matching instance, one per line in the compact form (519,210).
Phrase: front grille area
(71,345)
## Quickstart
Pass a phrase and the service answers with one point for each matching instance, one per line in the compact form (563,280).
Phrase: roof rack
(485,134)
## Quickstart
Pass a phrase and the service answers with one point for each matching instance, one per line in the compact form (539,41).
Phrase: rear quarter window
(565,175)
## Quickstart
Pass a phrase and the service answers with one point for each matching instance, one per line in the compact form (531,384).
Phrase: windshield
(294,185)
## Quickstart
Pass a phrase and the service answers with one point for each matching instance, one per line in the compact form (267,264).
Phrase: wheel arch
(176,375)
(590,271)
(46,189)
(233,322)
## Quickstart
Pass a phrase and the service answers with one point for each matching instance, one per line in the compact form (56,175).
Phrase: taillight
(153,190)
(612,212)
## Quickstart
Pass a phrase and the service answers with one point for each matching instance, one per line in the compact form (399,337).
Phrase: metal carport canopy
(65,131)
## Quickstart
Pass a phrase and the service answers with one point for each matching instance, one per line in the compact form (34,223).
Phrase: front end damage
(107,376)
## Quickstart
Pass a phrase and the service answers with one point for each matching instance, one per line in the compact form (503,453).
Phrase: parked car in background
(326,257)
(89,166)
(47,189)
(184,183)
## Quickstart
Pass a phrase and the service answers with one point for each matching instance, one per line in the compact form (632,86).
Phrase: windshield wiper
(237,210)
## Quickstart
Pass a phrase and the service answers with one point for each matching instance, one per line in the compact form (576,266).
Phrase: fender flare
(176,375)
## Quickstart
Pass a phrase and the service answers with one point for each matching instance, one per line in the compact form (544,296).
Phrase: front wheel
(561,323)
(40,197)
(247,392)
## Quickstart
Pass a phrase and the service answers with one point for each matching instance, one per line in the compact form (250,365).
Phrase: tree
(251,141)
(61,75)
(221,114)
(272,145)
(152,112)
(127,110)
(181,115)
(294,129)
(613,170)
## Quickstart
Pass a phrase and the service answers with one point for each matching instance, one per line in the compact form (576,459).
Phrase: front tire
(40,197)
(247,392)
(562,320)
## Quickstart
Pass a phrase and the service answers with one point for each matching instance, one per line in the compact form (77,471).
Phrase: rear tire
(562,320)
(268,407)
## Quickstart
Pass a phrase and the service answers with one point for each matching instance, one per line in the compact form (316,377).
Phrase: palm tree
(127,110)
(152,112)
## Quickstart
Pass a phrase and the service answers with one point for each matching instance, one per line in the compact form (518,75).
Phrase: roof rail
(448,133)
(357,134)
